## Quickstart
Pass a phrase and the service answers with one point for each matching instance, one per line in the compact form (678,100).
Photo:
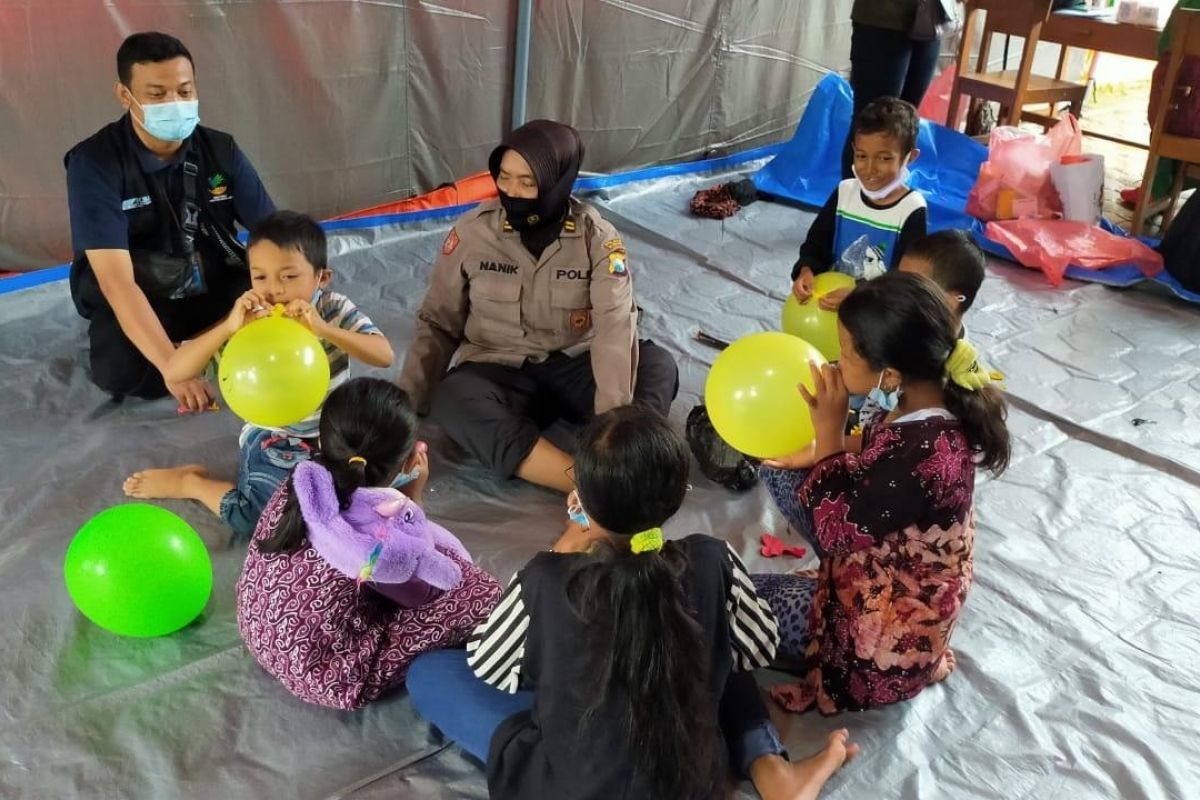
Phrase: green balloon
(138,570)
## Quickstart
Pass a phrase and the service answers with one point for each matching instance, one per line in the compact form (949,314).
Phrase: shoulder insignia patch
(451,243)
(614,244)
(616,264)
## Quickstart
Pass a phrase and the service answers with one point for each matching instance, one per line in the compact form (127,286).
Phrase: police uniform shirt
(489,300)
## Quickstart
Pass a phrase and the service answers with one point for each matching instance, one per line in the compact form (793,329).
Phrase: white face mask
(880,194)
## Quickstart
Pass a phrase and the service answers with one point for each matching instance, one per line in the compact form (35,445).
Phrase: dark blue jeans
(449,696)
(264,463)
(887,63)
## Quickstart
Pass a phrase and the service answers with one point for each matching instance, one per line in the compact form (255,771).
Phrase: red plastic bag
(935,107)
(1015,180)
(1052,245)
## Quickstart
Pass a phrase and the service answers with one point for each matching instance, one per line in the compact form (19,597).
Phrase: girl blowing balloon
(891,514)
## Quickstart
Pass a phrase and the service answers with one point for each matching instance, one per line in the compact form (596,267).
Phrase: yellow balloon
(811,322)
(274,372)
(752,397)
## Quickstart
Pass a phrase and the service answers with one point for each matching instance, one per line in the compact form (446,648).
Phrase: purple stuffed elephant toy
(383,536)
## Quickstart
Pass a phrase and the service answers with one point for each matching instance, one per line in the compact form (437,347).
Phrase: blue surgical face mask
(405,478)
(171,122)
(885,400)
(576,513)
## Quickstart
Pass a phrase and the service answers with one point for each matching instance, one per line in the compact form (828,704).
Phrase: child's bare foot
(777,779)
(158,484)
(945,666)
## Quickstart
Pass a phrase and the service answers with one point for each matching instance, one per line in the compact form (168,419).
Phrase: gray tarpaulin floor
(1079,649)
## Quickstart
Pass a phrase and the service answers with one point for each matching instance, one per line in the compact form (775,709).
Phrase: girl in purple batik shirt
(346,580)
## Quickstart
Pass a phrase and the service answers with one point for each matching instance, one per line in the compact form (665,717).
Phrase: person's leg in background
(570,382)
(879,61)
(493,412)
(448,695)
(265,463)
(745,723)
(784,485)
(117,366)
(757,753)
(790,598)
(922,66)
(657,378)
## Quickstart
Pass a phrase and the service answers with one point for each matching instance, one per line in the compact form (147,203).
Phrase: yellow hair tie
(963,367)
(356,460)
(650,541)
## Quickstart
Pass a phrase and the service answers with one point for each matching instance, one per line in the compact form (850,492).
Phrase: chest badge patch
(581,320)
(217,185)
(451,243)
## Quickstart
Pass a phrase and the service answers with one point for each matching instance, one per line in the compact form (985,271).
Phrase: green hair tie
(650,541)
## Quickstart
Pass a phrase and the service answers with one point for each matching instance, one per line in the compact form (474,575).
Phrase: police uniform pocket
(496,300)
(570,296)
(571,303)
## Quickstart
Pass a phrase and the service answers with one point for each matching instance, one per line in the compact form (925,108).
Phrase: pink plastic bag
(1015,180)
(1052,245)
(935,107)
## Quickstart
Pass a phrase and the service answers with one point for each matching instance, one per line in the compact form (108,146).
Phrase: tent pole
(521,61)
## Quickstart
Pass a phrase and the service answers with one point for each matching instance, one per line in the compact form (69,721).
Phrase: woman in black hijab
(532,298)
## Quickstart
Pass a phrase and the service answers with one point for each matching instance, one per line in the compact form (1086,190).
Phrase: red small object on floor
(773,547)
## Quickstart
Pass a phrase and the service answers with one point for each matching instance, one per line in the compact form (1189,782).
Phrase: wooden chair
(1185,41)
(1012,89)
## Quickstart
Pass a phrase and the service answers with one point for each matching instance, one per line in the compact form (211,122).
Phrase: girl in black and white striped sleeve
(613,670)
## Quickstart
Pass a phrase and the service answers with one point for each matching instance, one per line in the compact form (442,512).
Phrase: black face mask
(523,213)
(554,152)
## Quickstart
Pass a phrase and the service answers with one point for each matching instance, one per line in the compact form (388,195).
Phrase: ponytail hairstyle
(901,320)
(647,650)
(368,431)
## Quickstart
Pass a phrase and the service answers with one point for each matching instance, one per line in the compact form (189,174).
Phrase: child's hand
(829,402)
(194,396)
(416,489)
(800,460)
(832,301)
(802,287)
(247,308)
(303,312)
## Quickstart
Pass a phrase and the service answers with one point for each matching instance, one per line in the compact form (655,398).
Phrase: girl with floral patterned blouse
(890,512)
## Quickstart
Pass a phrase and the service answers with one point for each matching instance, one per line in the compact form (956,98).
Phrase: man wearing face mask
(532,295)
(155,201)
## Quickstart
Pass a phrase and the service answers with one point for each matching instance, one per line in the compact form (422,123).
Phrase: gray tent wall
(344,104)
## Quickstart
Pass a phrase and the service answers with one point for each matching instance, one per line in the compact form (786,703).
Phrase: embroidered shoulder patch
(451,243)
(614,244)
(616,264)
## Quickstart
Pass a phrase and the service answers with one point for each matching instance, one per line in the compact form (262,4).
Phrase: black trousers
(887,63)
(118,367)
(497,413)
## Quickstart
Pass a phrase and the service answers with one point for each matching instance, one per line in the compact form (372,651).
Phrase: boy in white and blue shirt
(870,219)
